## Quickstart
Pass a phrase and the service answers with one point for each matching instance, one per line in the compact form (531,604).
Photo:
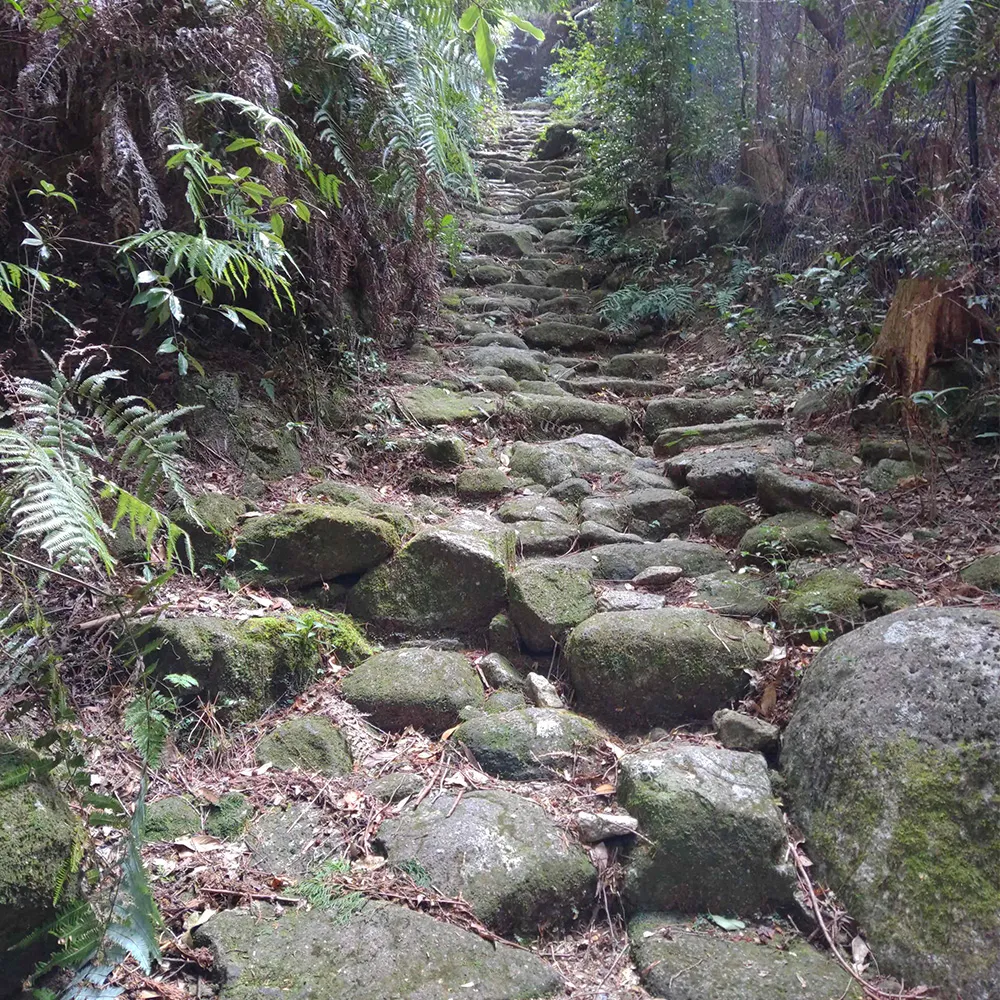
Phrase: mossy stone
(547,600)
(381,950)
(245,665)
(220,517)
(791,534)
(892,759)
(504,701)
(639,669)
(831,597)
(445,450)
(430,406)
(713,837)
(736,595)
(446,580)
(39,838)
(229,817)
(396,785)
(727,523)
(308,742)
(983,573)
(482,484)
(501,853)
(527,744)
(306,544)
(413,686)
(678,960)
(888,474)
(174,816)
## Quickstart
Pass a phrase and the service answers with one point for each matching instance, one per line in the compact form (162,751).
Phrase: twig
(870,991)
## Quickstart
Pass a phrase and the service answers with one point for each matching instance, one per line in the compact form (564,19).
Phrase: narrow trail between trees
(597,569)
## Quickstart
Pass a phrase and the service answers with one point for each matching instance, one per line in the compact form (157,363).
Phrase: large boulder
(41,844)
(983,573)
(638,669)
(553,462)
(371,952)
(547,600)
(311,543)
(516,363)
(556,333)
(414,686)
(713,839)
(779,492)
(672,440)
(447,579)
(499,852)
(722,474)
(678,960)
(514,241)
(527,744)
(246,666)
(892,758)
(430,405)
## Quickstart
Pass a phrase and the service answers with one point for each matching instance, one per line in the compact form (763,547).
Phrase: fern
(23,649)
(938,44)
(51,456)
(147,722)
(632,304)
(845,373)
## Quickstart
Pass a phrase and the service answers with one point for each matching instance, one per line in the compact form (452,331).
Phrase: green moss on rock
(638,669)
(309,543)
(229,817)
(39,838)
(482,484)
(983,573)
(309,742)
(547,600)
(726,523)
(220,516)
(791,534)
(172,817)
(245,665)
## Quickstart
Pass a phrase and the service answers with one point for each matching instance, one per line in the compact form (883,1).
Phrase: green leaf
(727,923)
(182,364)
(181,680)
(250,315)
(486,50)
(277,225)
(527,26)
(243,143)
(302,210)
(167,347)
(468,20)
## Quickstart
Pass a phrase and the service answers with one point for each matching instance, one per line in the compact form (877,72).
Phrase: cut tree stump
(928,320)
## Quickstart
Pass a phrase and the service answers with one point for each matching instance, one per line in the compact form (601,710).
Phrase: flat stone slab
(378,952)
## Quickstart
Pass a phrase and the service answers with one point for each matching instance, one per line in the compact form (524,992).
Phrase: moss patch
(174,816)
(229,817)
(792,534)
(310,742)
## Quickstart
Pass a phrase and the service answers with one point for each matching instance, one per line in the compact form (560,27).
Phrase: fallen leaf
(727,923)
(777,653)
(616,750)
(859,952)
(604,790)
(768,700)
(192,920)
(200,843)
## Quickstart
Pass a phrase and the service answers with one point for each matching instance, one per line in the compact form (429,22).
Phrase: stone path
(598,497)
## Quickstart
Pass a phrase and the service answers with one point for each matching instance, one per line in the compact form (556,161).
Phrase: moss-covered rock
(553,462)
(229,817)
(309,543)
(544,538)
(726,523)
(778,492)
(482,484)
(793,534)
(367,501)
(41,849)
(983,573)
(396,785)
(547,600)
(657,513)
(736,731)
(414,686)
(220,517)
(590,416)
(504,701)
(687,411)
(448,579)
(430,406)
(379,951)
(736,595)
(309,742)
(501,853)
(638,669)
(888,473)
(527,744)
(713,837)
(445,450)
(624,560)
(678,960)
(172,817)
(892,759)
(831,597)
(245,665)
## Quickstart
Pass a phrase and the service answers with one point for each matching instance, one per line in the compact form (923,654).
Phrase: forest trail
(592,565)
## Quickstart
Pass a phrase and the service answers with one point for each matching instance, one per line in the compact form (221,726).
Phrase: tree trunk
(928,320)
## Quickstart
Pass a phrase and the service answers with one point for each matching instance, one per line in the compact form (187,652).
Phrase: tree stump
(928,320)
